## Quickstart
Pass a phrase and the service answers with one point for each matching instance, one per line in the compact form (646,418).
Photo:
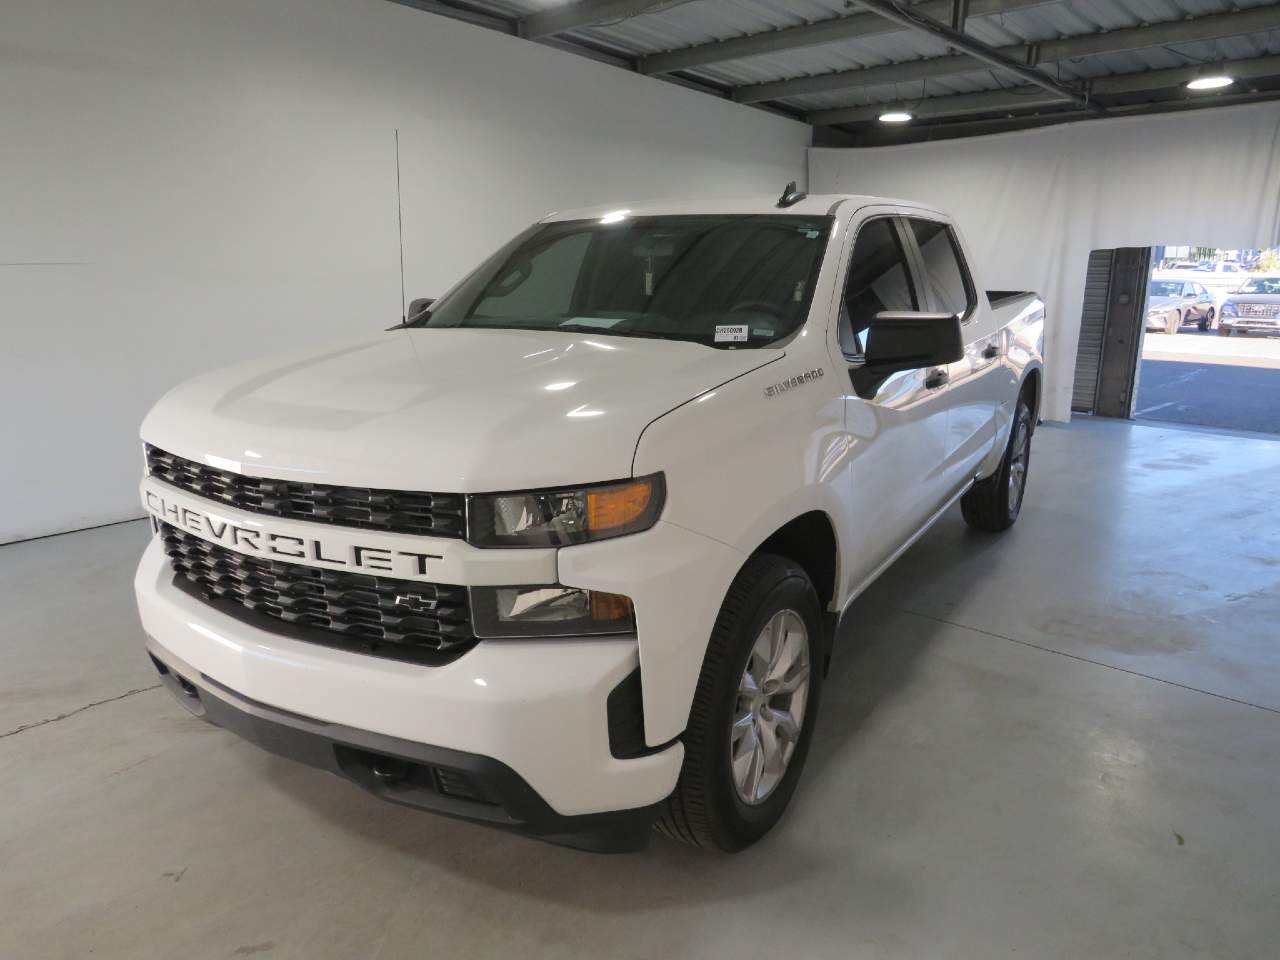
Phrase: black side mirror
(907,341)
(417,307)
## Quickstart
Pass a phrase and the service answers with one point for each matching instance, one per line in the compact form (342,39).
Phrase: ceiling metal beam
(465,14)
(912,19)
(882,135)
(1121,83)
(1212,27)
(1028,97)
(812,34)
(582,13)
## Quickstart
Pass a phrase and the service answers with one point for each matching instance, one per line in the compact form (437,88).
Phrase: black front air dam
(457,784)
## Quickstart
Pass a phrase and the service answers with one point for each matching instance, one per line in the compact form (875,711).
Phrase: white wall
(1032,204)
(188,182)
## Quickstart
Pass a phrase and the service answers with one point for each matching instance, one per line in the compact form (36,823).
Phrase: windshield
(724,281)
(1166,288)
(1261,285)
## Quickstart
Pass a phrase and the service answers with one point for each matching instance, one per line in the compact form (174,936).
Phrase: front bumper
(450,782)
(1252,324)
(537,708)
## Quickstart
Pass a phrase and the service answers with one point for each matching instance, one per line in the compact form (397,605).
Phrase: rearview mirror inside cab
(907,340)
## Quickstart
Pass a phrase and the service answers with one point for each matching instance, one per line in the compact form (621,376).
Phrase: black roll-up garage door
(1093,322)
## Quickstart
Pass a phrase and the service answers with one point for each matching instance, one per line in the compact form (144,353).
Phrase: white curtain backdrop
(1032,204)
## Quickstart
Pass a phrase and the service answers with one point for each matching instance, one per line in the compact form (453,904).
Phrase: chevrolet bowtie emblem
(415,601)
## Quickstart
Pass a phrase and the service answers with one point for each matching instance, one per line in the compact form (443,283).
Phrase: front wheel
(993,504)
(753,710)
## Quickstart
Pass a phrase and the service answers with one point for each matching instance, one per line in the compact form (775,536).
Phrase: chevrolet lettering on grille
(258,539)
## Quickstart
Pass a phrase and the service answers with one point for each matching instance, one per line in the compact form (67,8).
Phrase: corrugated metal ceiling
(684,23)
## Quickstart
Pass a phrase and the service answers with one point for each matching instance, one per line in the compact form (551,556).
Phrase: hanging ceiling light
(896,116)
(1210,81)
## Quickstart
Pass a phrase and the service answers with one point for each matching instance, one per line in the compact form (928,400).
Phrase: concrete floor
(1060,742)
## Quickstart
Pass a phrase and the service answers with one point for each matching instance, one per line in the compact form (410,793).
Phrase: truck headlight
(550,611)
(1228,309)
(559,518)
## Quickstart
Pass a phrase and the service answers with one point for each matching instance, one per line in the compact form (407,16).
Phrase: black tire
(1172,326)
(991,504)
(706,809)
(1207,322)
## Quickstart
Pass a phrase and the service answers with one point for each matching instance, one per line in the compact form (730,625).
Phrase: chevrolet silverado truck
(565,551)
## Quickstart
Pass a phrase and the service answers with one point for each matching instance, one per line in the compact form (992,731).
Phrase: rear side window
(947,278)
(878,280)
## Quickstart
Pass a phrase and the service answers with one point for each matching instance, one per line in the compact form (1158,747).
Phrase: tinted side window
(879,279)
(946,276)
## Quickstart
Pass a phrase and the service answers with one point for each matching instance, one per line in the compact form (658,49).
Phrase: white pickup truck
(566,551)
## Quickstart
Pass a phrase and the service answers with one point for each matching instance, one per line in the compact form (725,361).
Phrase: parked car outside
(1254,308)
(1220,277)
(1173,302)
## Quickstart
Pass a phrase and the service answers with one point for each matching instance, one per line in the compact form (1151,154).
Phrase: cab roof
(814,205)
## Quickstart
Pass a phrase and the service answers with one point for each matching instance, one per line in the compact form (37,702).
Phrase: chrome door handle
(936,378)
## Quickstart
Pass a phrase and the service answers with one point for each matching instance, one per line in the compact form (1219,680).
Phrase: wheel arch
(809,540)
(1032,388)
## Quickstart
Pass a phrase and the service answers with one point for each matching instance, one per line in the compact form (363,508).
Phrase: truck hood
(442,410)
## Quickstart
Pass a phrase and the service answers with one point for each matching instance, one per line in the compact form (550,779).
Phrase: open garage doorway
(1185,335)
(1210,354)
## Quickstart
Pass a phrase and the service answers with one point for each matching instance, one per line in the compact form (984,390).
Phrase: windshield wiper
(639,334)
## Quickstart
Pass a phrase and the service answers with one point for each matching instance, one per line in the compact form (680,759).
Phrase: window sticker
(731,333)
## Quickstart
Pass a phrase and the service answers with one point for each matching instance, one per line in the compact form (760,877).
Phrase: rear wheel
(753,710)
(993,504)
(1207,322)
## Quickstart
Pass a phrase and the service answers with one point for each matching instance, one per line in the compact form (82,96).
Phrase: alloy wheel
(1018,458)
(769,714)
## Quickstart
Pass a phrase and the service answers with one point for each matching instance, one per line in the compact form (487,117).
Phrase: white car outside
(1220,278)
(566,552)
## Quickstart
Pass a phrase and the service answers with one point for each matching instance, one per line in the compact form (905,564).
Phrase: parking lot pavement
(1193,346)
(1217,394)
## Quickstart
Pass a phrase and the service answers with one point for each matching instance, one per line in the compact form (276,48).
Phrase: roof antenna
(791,196)
(404,317)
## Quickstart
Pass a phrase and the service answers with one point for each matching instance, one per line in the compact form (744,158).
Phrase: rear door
(973,385)
(895,438)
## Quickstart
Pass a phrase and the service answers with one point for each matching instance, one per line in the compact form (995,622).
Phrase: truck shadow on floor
(876,654)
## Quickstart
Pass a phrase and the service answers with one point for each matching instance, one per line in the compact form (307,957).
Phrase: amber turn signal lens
(610,606)
(620,506)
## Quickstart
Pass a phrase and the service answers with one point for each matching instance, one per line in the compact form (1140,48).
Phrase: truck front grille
(399,511)
(353,611)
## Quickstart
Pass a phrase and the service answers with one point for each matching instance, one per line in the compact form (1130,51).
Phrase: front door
(897,437)
(974,384)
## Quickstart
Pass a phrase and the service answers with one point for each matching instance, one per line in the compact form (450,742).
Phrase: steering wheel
(758,306)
